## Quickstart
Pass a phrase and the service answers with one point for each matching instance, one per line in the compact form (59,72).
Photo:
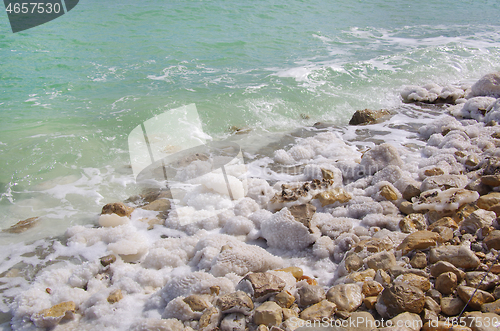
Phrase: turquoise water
(71,90)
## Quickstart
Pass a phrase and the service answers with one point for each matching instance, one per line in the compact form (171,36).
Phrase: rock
(370,302)
(310,294)
(407,320)
(480,297)
(388,193)
(444,182)
(236,302)
(382,260)
(303,213)
(377,158)
(476,220)
(414,280)
(290,313)
(197,302)
(359,321)
(107,260)
(334,195)
(478,186)
(418,240)
(491,180)
(368,116)
(22,226)
(411,191)
(489,200)
(269,314)
(432,305)
(495,209)
(360,276)
(430,315)
(496,292)
(115,296)
(149,324)
(118,208)
(295,271)
(398,270)
(442,267)
(382,277)
(412,223)
(493,307)
(262,327)
(398,298)
(353,262)
(50,317)
(492,241)
(446,283)
(478,321)
(434,294)
(452,306)
(436,171)
(450,199)
(436,325)
(459,256)
(209,320)
(445,221)
(472,161)
(371,288)
(309,280)
(406,208)
(419,260)
(488,85)
(264,284)
(474,278)
(284,299)
(161,205)
(373,245)
(233,322)
(318,311)
(346,297)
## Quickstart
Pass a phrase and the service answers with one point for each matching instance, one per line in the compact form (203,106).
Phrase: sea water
(74,88)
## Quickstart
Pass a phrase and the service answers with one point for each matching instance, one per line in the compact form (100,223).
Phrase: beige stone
(485,281)
(107,260)
(295,271)
(115,296)
(118,208)
(360,276)
(418,240)
(410,191)
(346,297)
(233,322)
(388,192)
(371,288)
(360,321)
(419,260)
(412,223)
(284,299)
(197,302)
(264,284)
(445,221)
(310,294)
(411,321)
(480,297)
(489,200)
(420,282)
(236,302)
(451,306)
(476,220)
(492,241)
(370,302)
(269,314)
(459,256)
(334,195)
(23,225)
(209,320)
(382,260)
(491,180)
(446,283)
(399,298)
(368,116)
(443,326)
(318,311)
(479,321)
(303,213)
(373,245)
(353,262)
(442,267)
(493,307)
(50,317)
(432,305)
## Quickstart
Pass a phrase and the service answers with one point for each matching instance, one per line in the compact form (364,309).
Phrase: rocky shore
(375,239)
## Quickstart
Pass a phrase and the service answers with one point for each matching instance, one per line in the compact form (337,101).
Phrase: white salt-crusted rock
(488,85)
(245,207)
(282,156)
(427,93)
(170,252)
(439,125)
(238,225)
(198,282)
(260,216)
(323,247)
(223,254)
(241,258)
(474,108)
(157,324)
(333,226)
(283,231)
(260,191)
(217,183)
(493,112)
(390,222)
(378,158)
(439,200)
(111,220)
(179,309)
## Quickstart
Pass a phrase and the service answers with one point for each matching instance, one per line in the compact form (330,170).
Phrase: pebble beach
(388,223)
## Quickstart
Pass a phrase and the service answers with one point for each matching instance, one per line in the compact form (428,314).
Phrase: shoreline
(358,226)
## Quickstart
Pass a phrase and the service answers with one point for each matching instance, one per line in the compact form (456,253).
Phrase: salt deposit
(331,205)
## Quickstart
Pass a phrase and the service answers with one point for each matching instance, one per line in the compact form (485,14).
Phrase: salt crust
(198,256)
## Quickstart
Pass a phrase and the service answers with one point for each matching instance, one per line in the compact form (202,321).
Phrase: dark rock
(368,116)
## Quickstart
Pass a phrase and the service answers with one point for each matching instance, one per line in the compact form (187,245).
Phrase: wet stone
(118,208)
(346,297)
(368,116)
(23,225)
(310,294)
